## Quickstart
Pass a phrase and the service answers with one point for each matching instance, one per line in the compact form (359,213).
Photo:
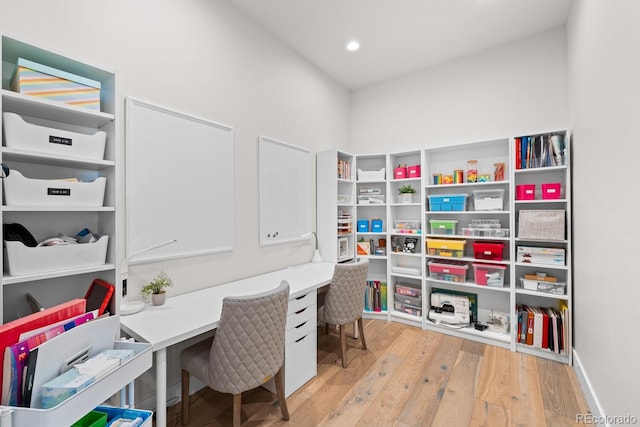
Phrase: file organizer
(100,334)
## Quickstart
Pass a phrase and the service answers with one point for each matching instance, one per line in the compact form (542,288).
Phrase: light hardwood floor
(410,377)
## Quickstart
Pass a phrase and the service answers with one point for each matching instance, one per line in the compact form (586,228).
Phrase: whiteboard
(285,192)
(179,183)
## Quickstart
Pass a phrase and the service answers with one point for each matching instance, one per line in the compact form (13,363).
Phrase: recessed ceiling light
(353,45)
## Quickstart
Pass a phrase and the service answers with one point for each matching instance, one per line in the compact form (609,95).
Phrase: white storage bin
(20,259)
(22,135)
(488,200)
(22,191)
(371,175)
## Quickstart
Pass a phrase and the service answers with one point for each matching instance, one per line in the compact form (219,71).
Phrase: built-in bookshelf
(463,233)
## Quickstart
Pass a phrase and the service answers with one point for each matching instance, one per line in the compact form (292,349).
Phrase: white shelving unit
(372,200)
(59,285)
(335,201)
(54,287)
(411,270)
(556,177)
(488,299)
(406,262)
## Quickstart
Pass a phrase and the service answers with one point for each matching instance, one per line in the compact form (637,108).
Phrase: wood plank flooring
(410,377)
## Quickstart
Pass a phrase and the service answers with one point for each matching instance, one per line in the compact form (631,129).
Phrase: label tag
(60,140)
(58,192)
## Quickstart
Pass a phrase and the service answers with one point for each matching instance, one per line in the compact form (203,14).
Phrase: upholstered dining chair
(246,351)
(344,301)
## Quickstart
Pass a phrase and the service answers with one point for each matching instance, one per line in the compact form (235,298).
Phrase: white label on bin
(551,190)
(58,192)
(60,140)
(445,199)
(445,270)
(529,191)
(487,252)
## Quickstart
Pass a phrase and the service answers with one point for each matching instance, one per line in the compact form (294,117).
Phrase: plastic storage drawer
(489,274)
(450,271)
(407,308)
(443,226)
(449,202)
(488,250)
(22,135)
(446,248)
(22,191)
(407,289)
(408,226)
(405,299)
(488,200)
(138,416)
(21,259)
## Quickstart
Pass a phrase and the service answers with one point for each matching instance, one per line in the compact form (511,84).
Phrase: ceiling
(398,36)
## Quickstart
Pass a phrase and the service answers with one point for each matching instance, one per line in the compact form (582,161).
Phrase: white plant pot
(159,299)
(406,197)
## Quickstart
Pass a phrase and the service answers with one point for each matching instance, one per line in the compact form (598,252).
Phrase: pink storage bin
(413,171)
(551,190)
(400,173)
(525,192)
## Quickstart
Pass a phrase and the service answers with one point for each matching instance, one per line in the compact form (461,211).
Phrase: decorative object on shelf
(498,171)
(406,193)
(410,244)
(437,178)
(472,171)
(157,288)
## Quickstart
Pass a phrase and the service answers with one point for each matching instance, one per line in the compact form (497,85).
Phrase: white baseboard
(587,388)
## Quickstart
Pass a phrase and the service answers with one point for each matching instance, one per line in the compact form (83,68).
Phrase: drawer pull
(299,298)
(300,339)
(301,310)
(301,324)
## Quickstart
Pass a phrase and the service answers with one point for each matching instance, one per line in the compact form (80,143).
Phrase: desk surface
(191,314)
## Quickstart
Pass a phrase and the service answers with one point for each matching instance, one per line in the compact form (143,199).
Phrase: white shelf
(470,285)
(549,295)
(13,154)
(9,280)
(58,209)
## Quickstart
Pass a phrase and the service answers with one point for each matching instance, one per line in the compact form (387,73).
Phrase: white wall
(512,89)
(604,95)
(204,58)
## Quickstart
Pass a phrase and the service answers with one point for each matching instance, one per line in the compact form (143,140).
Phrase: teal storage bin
(376,225)
(448,202)
(115,415)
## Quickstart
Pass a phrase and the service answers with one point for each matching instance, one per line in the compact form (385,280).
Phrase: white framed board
(285,173)
(179,183)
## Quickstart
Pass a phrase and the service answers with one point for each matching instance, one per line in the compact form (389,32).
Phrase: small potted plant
(157,288)
(406,193)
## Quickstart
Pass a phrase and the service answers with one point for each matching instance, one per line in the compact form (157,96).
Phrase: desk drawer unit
(300,343)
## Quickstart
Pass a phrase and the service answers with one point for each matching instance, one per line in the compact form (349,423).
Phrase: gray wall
(604,95)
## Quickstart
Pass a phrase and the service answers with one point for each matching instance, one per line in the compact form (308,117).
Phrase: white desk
(188,315)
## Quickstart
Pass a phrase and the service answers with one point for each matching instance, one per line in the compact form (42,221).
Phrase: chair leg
(343,345)
(279,379)
(185,397)
(237,405)
(326,328)
(361,329)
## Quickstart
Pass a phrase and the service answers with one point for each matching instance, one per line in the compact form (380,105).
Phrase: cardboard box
(31,78)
